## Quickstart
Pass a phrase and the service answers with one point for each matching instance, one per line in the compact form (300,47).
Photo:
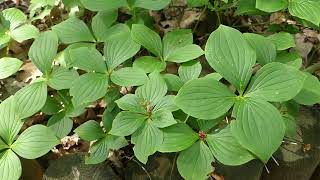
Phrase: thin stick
(196,26)
(274,159)
(185,121)
(265,166)
(293,140)
(173,165)
(143,168)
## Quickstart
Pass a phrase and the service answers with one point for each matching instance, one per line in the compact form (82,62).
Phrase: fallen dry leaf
(28,73)
(278,18)
(70,141)
(303,46)
(189,17)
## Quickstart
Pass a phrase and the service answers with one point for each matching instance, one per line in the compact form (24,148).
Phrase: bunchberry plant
(32,143)
(306,11)
(176,46)
(240,111)
(99,151)
(274,82)
(144,116)
(15,26)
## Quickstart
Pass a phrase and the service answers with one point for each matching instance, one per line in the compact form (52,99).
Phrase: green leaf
(112,95)
(271,6)
(310,92)
(153,90)
(290,58)
(131,102)
(12,18)
(70,109)
(305,9)
(119,50)
(215,76)
(60,125)
(197,3)
(3,145)
(10,123)
(4,37)
(147,38)
(30,99)
(258,127)
(151,5)
(247,7)
(190,70)
(184,54)
(177,137)
(166,102)
(265,49)
(24,32)
(116,142)
(176,39)
(129,77)
(73,30)
(89,131)
(226,149)
(231,56)
(173,82)
(35,142)
(66,59)
(283,40)
(117,31)
(37,12)
(101,5)
(276,82)
(88,88)
(43,50)
(10,166)
(162,118)
(208,124)
(290,124)
(146,140)
(62,78)
(108,117)
(101,22)
(9,66)
(99,150)
(43,3)
(195,162)
(149,64)
(52,106)
(205,98)
(126,123)
(88,59)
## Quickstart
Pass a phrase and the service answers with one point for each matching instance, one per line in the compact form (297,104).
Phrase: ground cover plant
(241,109)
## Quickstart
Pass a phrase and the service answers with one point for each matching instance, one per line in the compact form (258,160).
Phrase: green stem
(8,48)
(185,121)
(217,10)
(197,24)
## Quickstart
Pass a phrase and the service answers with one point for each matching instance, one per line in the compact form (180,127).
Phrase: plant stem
(185,121)
(8,48)
(217,10)
(197,24)
(143,168)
